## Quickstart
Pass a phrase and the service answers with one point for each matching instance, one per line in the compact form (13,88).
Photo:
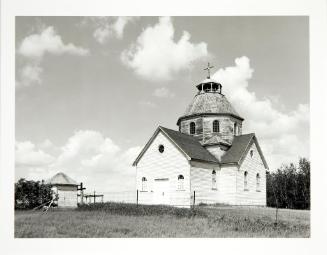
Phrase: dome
(210,103)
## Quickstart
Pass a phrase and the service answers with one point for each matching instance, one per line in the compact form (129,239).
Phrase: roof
(62,179)
(208,80)
(210,103)
(216,140)
(188,144)
(239,148)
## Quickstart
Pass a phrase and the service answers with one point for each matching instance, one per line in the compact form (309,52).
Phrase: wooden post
(81,188)
(137,197)
(193,198)
(94,197)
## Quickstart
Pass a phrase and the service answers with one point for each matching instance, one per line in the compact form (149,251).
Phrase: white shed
(66,189)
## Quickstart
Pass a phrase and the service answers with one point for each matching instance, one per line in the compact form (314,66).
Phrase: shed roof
(62,179)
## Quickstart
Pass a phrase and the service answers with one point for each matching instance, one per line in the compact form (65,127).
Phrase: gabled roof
(62,179)
(187,144)
(240,146)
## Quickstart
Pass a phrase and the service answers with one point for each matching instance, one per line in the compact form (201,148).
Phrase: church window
(245,180)
(192,128)
(258,181)
(180,184)
(144,184)
(215,126)
(214,179)
(235,128)
(161,148)
(251,153)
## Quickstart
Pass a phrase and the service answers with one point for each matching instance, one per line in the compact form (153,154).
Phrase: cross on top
(208,69)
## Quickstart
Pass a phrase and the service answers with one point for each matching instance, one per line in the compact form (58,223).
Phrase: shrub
(30,194)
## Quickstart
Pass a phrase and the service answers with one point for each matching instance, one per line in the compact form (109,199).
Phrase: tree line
(289,186)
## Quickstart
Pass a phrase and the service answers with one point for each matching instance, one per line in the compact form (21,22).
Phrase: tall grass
(142,210)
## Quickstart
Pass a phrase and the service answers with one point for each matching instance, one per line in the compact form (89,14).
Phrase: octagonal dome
(211,104)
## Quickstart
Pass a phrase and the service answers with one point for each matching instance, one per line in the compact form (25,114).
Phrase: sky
(90,91)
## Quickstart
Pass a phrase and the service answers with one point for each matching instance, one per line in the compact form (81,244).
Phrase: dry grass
(207,222)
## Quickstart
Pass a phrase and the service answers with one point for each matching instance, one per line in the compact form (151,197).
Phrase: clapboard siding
(252,165)
(169,164)
(201,183)
(67,198)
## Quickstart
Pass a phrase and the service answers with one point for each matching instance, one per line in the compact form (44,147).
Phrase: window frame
(180,182)
(245,183)
(144,184)
(214,180)
(192,128)
(215,126)
(258,182)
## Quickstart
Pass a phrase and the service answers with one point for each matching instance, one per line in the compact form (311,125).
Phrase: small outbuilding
(65,188)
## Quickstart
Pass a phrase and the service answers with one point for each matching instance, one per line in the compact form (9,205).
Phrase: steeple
(210,116)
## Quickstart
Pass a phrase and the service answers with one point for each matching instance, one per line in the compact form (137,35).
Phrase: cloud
(33,49)
(109,27)
(87,157)
(30,74)
(282,135)
(163,93)
(48,41)
(156,56)
(27,154)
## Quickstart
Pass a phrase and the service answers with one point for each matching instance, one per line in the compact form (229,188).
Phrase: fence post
(94,197)
(137,197)
(193,198)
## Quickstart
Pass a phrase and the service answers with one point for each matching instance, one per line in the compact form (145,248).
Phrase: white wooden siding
(169,164)
(67,196)
(252,165)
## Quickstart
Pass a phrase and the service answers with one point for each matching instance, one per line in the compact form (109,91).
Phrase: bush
(30,194)
(141,210)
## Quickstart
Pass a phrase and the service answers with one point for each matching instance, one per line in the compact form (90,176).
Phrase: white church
(208,160)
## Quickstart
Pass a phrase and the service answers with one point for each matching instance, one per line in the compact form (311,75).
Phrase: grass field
(118,220)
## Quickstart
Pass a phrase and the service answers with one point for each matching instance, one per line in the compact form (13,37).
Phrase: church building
(208,160)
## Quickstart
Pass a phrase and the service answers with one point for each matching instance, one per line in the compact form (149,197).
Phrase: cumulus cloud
(156,56)
(283,135)
(163,93)
(87,157)
(27,154)
(30,74)
(48,41)
(33,49)
(109,27)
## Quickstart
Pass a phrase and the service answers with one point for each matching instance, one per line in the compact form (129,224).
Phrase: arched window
(251,153)
(258,181)
(235,128)
(192,128)
(214,179)
(245,180)
(180,184)
(215,126)
(144,184)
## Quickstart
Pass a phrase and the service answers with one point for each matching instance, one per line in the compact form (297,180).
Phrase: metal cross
(208,69)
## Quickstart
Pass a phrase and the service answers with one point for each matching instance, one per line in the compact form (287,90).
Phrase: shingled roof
(210,103)
(62,179)
(195,151)
(238,150)
(187,143)
(190,145)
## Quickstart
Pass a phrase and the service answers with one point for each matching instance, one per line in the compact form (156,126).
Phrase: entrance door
(161,191)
